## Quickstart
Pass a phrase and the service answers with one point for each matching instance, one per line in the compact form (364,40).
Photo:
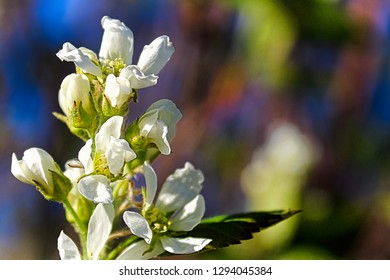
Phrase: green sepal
(229,230)
(58,191)
(81,206)
(79,132)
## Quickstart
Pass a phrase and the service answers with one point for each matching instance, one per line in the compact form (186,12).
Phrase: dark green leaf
(228,230)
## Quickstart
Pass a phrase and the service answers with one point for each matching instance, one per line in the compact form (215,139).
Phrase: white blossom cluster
(98,186)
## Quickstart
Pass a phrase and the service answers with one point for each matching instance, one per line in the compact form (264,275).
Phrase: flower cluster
(98,188)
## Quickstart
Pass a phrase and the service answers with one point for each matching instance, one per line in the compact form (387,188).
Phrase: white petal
(112,127)
(118,152)
(189,216)
(136,251)
(99,228)
(180,188)
(117,90)
(137,78)
(71,54)
(96,188)
(186,245)
(138,225)
(85,156)
(151,184)
(154,56)
(117,41)
(67,248)
(19,171)
(74,170)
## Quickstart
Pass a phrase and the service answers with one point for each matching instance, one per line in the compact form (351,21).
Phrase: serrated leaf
(229,230)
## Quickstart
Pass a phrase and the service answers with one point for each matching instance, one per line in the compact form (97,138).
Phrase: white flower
(179,207)
(152,59)
(99,228)
(117,42)
(35,169)
(117,90)
(158,124)
(74,89)
(116,151)
(80,57)
(154,56)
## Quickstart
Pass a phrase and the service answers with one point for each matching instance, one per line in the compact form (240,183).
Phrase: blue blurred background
(286,104)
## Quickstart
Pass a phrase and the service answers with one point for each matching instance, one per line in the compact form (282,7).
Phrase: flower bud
(75,101)
(38,168)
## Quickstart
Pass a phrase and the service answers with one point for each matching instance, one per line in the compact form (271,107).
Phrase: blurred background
(286,105)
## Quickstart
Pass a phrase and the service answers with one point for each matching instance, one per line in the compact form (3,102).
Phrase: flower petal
(99,228)
(180,188)
(118,152)
(136,251)
(117,41)
(154,56)
(117,90)
(137,78)
(67,248)
(151,184)
(85,156)
(96,188)
(71,54)
(112,127)
(138,225)
(186,245)
(189,216)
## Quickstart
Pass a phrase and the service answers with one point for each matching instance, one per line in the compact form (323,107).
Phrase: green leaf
(228,230)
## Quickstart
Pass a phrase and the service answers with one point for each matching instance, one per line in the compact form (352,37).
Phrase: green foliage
(229,230)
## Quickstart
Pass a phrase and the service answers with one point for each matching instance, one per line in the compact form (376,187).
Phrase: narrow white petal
(85,156)
(18,171)
(151,184)
(67,248)
(180,188)
(186,245)
(138,225)
(189,216)
(96,188)
(99,228)
(136,251)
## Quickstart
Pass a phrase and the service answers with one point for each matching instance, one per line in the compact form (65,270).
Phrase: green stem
(82,229)
(121,246)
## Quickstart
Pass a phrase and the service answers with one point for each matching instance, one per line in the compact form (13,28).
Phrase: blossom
(110,150)
(99,229)
(74,91)
(152,59)
(80,57)
(158,124)
(117,90)
(116,151)
(154,56)
(178,207)
(38,168)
